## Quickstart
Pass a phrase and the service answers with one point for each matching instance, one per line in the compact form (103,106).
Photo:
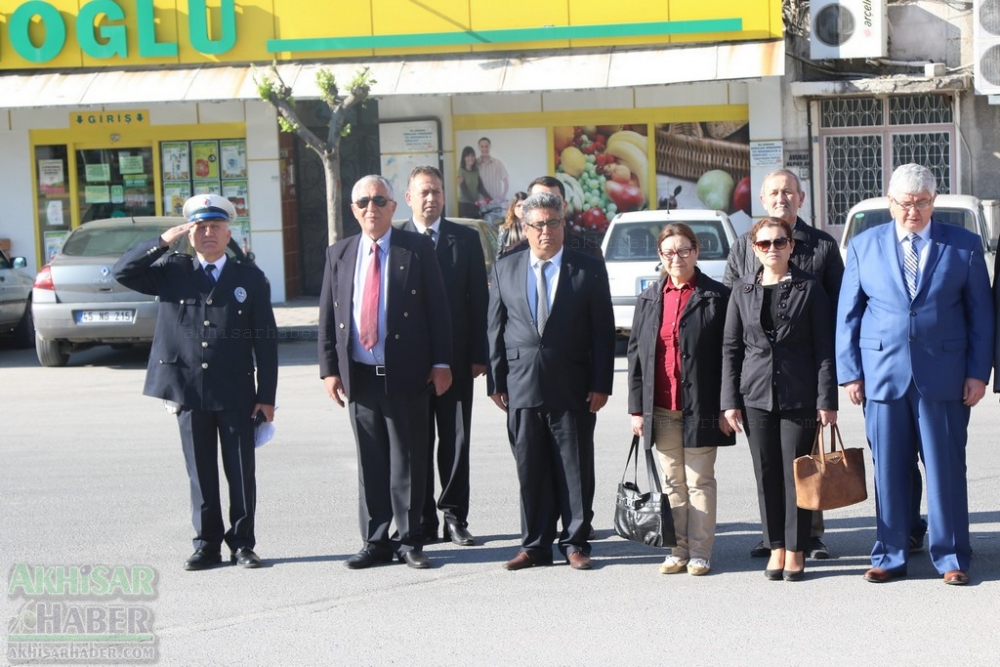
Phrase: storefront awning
(452,75)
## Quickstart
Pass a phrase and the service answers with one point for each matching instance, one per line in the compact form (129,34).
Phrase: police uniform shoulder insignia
(241,294)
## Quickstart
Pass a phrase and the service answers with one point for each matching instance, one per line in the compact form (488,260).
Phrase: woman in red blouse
(675,378)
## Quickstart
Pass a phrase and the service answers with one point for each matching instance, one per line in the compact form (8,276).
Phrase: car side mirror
(20,263)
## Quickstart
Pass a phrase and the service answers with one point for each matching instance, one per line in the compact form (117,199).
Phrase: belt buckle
(380,371)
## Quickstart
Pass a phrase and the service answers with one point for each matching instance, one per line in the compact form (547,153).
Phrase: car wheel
(49,352)
(24,332)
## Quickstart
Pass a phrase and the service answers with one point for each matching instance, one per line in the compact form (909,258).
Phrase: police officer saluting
(215,320)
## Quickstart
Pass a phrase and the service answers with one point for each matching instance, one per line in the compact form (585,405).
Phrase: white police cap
(208,207)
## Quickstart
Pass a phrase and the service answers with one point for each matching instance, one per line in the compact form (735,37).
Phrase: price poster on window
(206,160)
(233,153)
(175,161)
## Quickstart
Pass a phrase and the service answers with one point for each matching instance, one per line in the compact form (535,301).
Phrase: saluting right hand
(174,233)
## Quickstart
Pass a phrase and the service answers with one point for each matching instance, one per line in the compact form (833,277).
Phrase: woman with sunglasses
(778,379)
(675,377)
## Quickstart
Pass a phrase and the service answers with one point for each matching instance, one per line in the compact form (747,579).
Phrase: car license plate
(644,283)
(105,317)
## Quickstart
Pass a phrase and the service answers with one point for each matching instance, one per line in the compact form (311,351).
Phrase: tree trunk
(335,223)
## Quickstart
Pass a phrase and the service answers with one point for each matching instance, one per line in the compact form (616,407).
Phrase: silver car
(77,303)
(15,300)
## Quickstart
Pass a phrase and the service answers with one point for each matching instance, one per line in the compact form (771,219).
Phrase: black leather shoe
(458,534)
(817,550)
(365,558)
(760,551)
(245,557)
(203,559)
(415,559)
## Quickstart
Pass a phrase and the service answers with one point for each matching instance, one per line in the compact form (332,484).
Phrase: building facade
(127,107)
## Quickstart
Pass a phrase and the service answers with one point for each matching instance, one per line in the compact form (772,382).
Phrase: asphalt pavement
(91,473)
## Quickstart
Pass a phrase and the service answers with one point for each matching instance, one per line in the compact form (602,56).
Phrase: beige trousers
(689,481)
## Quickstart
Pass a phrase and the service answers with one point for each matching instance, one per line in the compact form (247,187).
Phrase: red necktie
(369,301)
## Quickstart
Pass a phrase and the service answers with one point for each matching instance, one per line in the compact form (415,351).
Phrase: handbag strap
(633,451)
(819,446)
(654,479)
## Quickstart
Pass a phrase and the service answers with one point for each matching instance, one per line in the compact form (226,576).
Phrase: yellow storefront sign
(67,34)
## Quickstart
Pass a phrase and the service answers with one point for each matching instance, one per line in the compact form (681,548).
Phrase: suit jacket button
(341,325)
(912,314)
(405,314)
(396,336)
(336,305)
(412,291)
(209,302)
(205,365)
(204,344)
(207,323)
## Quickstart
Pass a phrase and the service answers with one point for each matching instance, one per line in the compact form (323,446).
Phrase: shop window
(115,183)
(864,139)
(212,166)
(52,206)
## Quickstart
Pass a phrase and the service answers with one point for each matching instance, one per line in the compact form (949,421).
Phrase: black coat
(798,366)
(701,329)
(207,338)
(418,321)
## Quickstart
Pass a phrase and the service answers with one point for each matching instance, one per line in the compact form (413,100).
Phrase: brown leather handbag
(828,480)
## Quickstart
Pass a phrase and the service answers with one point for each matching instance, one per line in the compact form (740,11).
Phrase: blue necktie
(210,272)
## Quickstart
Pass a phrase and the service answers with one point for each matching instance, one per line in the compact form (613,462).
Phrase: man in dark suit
(463,268)
(214,321)
(915,346)
(385,346)
(552,342)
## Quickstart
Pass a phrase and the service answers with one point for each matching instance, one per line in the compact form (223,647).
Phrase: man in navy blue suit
(915,345)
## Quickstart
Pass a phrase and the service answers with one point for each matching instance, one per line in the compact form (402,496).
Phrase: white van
(633,263)
(962,210)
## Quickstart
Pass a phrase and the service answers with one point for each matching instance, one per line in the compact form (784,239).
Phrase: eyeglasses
(779,243)
(921,205)
(378,200)
(683,253)
(551,224)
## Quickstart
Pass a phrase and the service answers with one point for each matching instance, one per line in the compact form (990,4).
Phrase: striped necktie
(911,261)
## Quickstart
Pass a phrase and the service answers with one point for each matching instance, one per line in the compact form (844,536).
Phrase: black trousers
(554,453)
(451,416)
(391,436)
(776,438)
(202,435)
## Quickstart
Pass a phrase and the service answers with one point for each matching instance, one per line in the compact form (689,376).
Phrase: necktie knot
(210,272)
(429,233)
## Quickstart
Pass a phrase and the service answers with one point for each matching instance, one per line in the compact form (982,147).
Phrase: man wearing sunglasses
(815,252)
(463,268)
(915,348)
(552,343)
(384,347)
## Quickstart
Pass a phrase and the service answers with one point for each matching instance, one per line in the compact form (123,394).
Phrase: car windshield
(636,241)
(108,241)
(863,220)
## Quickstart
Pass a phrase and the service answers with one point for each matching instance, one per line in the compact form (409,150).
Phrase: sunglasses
(551,224)
(778,243)
(379,201)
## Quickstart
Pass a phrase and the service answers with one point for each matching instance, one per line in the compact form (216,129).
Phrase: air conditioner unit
(986,46)
(847,29)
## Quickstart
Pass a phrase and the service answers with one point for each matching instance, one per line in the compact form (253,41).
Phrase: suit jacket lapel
(344,271)
(933,257)
(518,282)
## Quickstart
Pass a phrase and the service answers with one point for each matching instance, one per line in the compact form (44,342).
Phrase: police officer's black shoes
(245,557)
(203,559)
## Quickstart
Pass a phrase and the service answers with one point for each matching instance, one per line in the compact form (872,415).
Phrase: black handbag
(643,517)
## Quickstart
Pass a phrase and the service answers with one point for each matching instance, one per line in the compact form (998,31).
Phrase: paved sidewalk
(297,319)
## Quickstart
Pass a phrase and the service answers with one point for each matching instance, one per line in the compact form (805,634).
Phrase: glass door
(115,182)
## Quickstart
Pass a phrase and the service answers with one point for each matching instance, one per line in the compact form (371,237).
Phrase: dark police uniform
(206,342)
